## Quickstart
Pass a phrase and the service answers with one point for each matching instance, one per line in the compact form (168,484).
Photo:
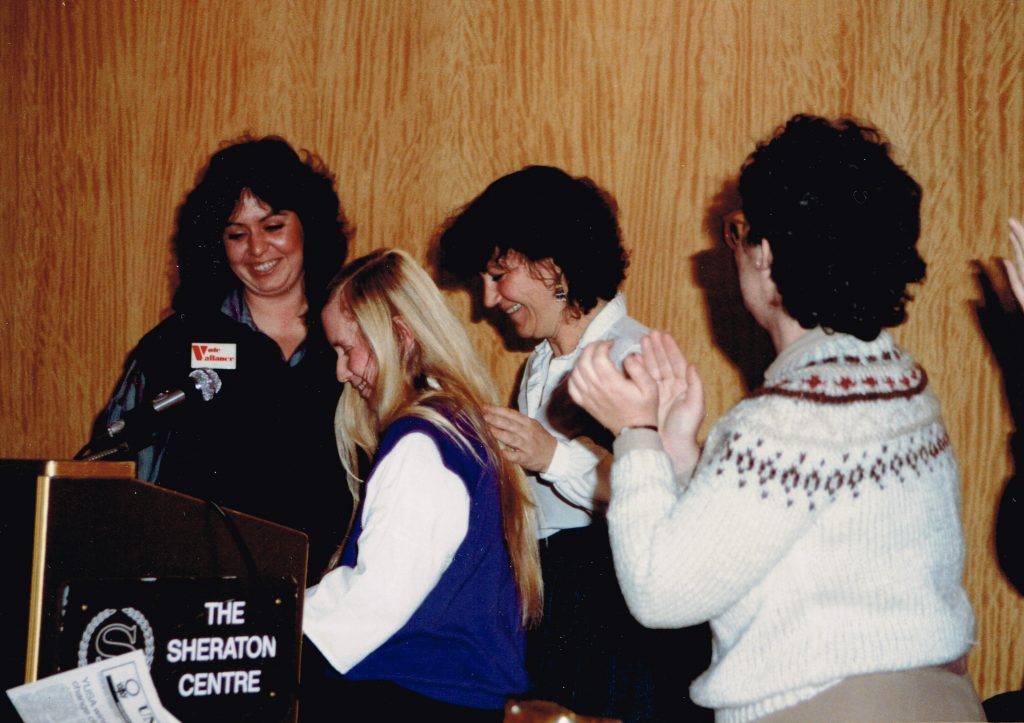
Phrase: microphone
(205,382)
(136,424)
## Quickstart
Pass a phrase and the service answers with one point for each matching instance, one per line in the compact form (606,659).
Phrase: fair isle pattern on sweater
(819,533)
(837,380)
(851,378)
(915,456)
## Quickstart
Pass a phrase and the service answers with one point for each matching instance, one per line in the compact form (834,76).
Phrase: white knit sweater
(819,533)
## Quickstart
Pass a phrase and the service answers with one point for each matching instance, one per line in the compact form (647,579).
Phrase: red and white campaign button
(212,355)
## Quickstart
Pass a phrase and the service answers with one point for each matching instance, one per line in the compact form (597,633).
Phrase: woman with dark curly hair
(819,528)
(258,239)
(548,250)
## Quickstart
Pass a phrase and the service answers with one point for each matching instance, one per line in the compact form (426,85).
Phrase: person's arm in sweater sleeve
(683,552)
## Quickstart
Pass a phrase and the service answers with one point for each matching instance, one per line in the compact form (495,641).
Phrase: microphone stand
(206,383)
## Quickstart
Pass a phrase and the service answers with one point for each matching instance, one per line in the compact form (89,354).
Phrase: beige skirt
(922,694)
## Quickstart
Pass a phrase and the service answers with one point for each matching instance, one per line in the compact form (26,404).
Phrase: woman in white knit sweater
(818,529)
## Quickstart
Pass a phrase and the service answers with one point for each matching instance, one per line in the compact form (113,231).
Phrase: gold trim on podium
(73,468)
(35,605)
(50,469)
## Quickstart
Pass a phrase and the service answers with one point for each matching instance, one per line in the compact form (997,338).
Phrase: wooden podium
(102,562)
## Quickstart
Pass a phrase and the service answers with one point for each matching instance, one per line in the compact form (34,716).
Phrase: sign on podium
(104,564)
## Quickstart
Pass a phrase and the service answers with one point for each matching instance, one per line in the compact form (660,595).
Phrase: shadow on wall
(1002,325)
(733,329)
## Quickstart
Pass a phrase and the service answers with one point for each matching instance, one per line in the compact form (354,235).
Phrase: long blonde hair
(415,337)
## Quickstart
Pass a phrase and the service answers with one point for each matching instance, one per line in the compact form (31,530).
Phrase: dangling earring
(560,294)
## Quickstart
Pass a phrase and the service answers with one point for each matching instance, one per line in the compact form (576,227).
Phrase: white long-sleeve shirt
(577,479)
(415,516)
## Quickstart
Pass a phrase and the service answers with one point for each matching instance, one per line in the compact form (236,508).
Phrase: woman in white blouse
(423,613)
(548,252)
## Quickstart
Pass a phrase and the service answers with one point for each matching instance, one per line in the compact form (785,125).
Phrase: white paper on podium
(115,690)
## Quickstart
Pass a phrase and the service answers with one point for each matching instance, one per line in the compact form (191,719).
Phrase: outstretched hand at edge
(1015,267)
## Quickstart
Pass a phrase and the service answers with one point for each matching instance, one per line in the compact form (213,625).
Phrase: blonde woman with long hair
(425,609)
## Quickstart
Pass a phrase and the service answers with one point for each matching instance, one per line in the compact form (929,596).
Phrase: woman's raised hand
(613,398)
(523,441)
(680,398)
(656,387)
(1015,267)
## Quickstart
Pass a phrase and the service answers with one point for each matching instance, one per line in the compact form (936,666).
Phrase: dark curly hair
(271,169)
(842,219)
(542,213)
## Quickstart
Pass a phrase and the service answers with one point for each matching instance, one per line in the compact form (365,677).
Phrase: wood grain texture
(112,108)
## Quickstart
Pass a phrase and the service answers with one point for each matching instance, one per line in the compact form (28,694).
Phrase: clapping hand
(656,388)
(680,398)
(613,398)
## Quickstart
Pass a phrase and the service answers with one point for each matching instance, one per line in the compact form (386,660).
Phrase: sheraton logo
(113,632)
(213,355)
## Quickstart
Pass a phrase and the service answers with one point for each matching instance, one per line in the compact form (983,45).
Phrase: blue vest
(464,645)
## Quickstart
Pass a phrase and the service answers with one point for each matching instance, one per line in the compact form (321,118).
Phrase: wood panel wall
(111,109)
